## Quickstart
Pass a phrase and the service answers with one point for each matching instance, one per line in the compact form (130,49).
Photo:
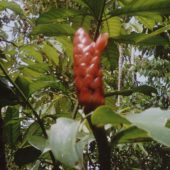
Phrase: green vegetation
(42,125)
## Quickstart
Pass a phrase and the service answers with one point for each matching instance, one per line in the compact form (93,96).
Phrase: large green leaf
(51,53)
(33,129)
(95,7)
(53,29)
(112,26)
(131,134)
(33,51)
(143,7)
(60,106)
(149,124)
(142,39)
(29,86)
(40,68)
(38,142)
(62,141)
(153,121)
(105,114)
(12,130)
(151,36)
(30,73)
(84,21)
(56,15)
(150,21)
(45,82)
(12,6)
(23,84)
(145,89)
(67,46)
(111,55)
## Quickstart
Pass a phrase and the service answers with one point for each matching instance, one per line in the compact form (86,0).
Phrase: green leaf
(12,131)
(154,34)
(142,39)
(131,134)
(40,68)
(12,6)
(53,29)
(149,21)
(111,55)
(23,84)
(37,142)
(95,7)
(67,46)
(112,26)
(60,105)
(31,130)
(45,82)
(26,155)
(153,121)
(122,92)
(145,89)
(57,14)
(143,7)
(30,73)
(62,141)
(83,21)
(30,50)
(29,86)
(106,115)
(51,53)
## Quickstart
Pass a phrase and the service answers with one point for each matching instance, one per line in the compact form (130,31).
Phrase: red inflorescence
(87,71)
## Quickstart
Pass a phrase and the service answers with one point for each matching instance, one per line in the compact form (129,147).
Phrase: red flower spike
(87,71)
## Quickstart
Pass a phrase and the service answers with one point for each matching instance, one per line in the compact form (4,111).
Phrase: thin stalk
(75,111)
(39,121)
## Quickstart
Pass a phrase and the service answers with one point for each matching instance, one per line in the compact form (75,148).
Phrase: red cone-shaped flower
(87,71)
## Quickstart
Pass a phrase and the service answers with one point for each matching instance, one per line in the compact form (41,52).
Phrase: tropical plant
(43,125)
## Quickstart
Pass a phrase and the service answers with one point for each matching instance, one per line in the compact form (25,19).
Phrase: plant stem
(99,133)
(102,145)
(99,21)
(3,164)
(39,121)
